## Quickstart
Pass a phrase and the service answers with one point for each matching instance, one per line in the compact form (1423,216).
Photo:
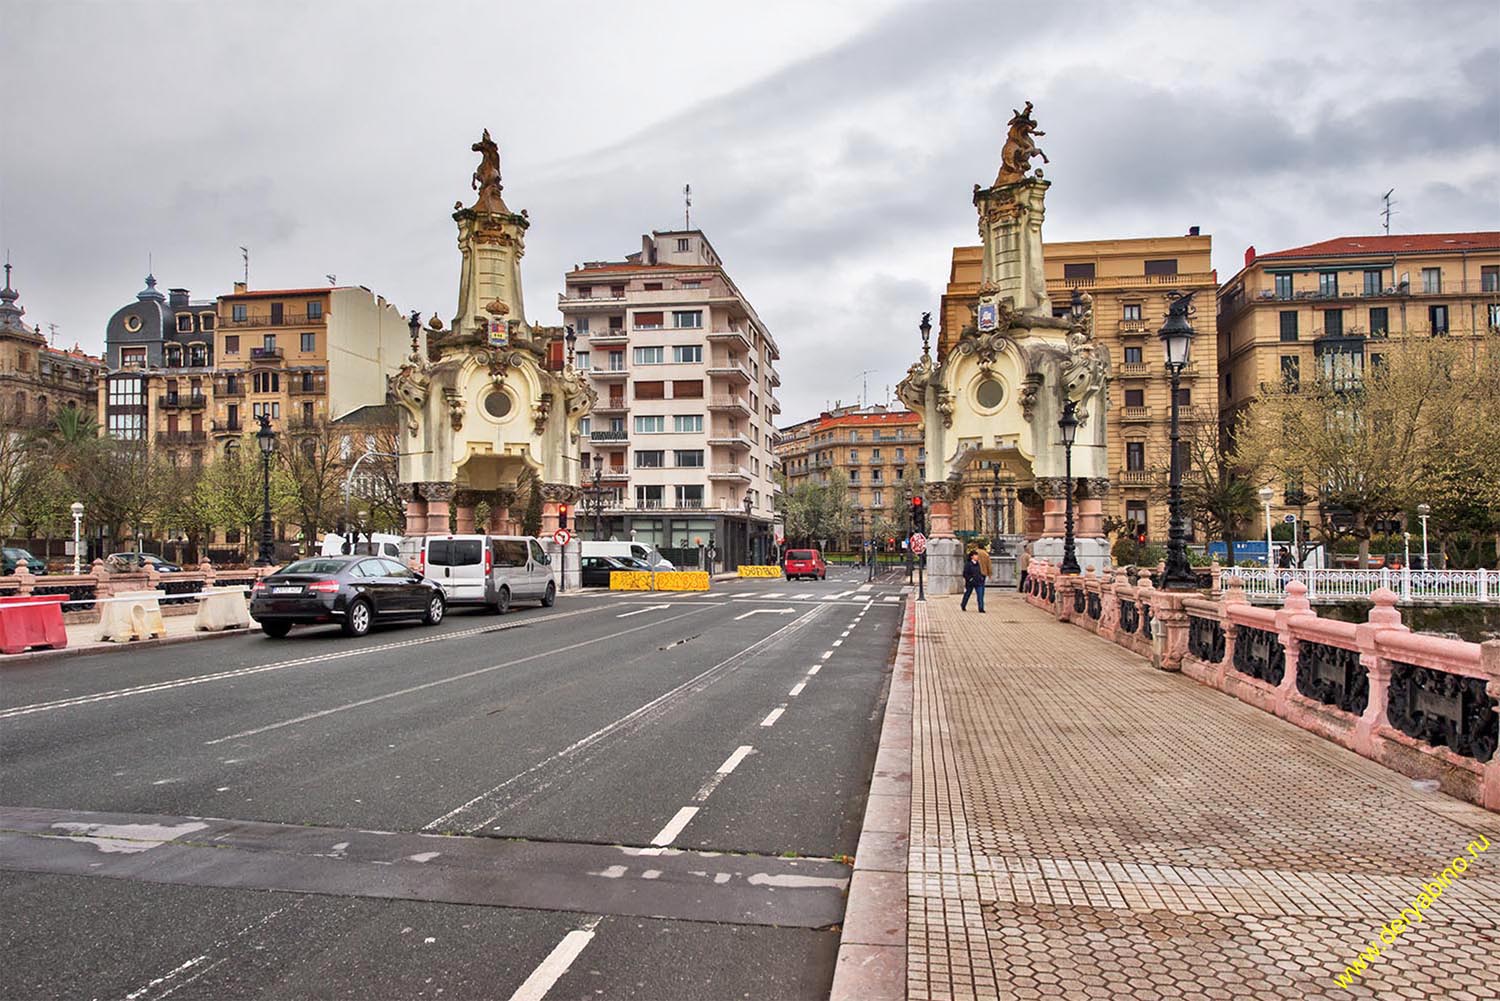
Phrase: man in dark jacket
(973,582)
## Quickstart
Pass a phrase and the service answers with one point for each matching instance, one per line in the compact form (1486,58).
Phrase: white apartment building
(685,372)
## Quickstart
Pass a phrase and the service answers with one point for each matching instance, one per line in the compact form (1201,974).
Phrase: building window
(1132,311)
(875,475)
(650,425)
(1135,456)
(1291,373)
(1132,356)
(854,455)
(853,476)
(231,344)
(315,311)
(1078,272)
(693,284)
(184,323)
(309,343)
(205,321)
(651,287)
(1333,323)
(133,357)
(682,245)
(1288,324)
(875,454)
(1328,283)
(1184,397)
(900,455)
(1489,278)
(647,321)
(687,354)
(688,423)
(1283,286)
(617,361)
(1432,279)
(648,496)
(648,356)
(268,342)
(1167,266)
(690,495)
(265,382)
(1495,316)
(687,389)
(650,391)
(581,324)
(1372,281)
(239,312)
(581,360)
(1437,319)
(1135,397)
(877,498)
(1135,517)
(684,319)
(1380,321)
(650,459)
(307,412)
(688,458)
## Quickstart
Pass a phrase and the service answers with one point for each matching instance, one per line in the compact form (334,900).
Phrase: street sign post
(562,537)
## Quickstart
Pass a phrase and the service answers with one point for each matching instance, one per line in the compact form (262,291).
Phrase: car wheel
(435,609)
(550,597)
(823,575)
(276,630)
(357,620)
(502,603)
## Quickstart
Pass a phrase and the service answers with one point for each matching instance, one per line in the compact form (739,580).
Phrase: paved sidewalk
(1084,826)
(83,638)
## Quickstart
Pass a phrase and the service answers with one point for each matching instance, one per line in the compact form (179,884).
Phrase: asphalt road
(643,796)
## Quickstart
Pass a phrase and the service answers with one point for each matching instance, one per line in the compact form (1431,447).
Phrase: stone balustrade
(100,582)
(1422,705)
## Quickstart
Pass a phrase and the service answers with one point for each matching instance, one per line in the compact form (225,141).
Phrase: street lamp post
(1423,511)
(1177,338)
(266,439)
(749,505)
(1068,424)
(1406,552)
(596,496)
(1265,494)
(77,510)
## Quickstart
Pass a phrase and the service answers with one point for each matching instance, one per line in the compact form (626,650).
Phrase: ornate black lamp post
(1177,338)
(1068,425)
(266,439)
(593,496)
(749,503)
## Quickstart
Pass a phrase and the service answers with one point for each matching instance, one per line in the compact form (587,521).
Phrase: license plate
(286,590)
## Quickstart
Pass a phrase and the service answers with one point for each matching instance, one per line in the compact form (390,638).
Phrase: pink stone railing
(1422,705)
(100,582)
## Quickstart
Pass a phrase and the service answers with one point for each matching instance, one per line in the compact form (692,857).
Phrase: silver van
(489,570)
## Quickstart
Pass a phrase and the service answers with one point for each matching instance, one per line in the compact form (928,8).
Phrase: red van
(805,563)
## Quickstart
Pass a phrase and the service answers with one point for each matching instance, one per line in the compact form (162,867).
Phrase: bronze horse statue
(1019,149)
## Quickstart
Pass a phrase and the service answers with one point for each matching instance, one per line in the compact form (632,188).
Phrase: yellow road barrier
(641,580)
(629,580)
(759,571)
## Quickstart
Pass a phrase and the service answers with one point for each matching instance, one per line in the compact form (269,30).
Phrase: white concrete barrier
(221,608)
(131,615)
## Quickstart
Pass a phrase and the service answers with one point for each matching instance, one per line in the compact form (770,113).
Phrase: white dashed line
(814,669)
(827,654)
(732,762)
(797,689)
(556,964)
(674,826)
(773,716)
(837,643)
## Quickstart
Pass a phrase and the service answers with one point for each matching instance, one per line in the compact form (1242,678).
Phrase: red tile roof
(1407,243)
(271,292)
(899,418)
(594,269)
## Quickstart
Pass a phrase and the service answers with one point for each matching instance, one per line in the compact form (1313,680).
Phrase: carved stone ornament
(541,413)
(1054,487)
(560,493)
(434,324)
(455,401)
(945,407)
(406,491)
(942,493)
(438,491)
(1030,387)
(408,390)
(495,307)
(486,178)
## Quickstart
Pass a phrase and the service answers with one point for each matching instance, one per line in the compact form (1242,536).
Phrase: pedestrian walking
(973,582)
(984,561)
(1023,558)
(1284,558)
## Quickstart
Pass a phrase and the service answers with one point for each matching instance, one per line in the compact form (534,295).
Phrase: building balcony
(176,401)
(1137,477)
(613,405)
(738,474)
(609,374)
(227,427)
(1063,286)
(732,371)
(268,320)
(607,337)
(774,405)
(1137,369)
(733,338)
(729,439)
(577,303)
(609,438)
(182,437)
(1135,415)
(730,405)
(1134,328)
(773,377)
(772,351)
(266,354)
(317,387)
(614,474)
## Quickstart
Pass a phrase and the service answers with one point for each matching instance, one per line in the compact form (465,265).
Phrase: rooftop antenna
(1387,213)
(687,206)
(864,392)
(52,335)
(245,253)
(332,279)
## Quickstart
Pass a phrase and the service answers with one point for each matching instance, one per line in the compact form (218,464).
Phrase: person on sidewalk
(973,582)
(984,560)
(1023,558)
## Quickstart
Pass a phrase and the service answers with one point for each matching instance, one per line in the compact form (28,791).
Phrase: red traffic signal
(1140,537)
(562,516)
(916,502)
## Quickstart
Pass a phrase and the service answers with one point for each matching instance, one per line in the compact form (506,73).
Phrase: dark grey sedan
(354,591)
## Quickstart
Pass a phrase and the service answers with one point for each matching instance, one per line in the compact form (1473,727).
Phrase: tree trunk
(1364,540)
(1229,548)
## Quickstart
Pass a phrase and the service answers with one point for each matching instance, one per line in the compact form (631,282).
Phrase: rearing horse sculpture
(1016,156)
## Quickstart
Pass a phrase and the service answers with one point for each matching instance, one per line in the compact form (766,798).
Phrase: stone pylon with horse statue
(483,404)
(992,395)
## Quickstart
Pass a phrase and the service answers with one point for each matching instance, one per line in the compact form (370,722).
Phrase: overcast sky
(832,146)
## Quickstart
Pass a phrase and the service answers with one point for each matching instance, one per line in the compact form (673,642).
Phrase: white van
(646,554)
(361,544)
(489,570)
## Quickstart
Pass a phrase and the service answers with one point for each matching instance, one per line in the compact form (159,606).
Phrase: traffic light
(1140,537)
(562,516)
(918,513)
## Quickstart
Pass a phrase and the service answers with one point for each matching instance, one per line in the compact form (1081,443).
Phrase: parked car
(632,550)
(140,561)
(488,570)
(361,544)
(596,569)
(13,558)
(354,591)
(804,563)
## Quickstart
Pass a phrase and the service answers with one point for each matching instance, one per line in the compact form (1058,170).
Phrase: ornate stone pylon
(995,392)
(479,404)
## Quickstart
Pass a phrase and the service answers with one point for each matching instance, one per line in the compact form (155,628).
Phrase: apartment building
(685,371)
(1128,280)
(37,380)
(301,355)
(874,447)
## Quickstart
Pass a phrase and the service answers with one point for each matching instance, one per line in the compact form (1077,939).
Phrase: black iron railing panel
(1442,709)
(1130,616)
(1259,653)
(1078,602)
(83,593)
(1146,620)
(1094,607)
(1333,676)
(1206,639)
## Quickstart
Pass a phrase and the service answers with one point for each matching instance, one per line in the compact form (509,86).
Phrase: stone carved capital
(439,491)
(464,497)
(560,493)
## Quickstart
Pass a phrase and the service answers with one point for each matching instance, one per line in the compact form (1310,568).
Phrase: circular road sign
(919,543)
(1290,519)
(562,536)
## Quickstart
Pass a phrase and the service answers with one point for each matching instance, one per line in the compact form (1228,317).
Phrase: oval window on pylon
(498,404)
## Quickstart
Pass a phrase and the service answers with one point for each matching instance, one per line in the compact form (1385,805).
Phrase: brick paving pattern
(1084,826)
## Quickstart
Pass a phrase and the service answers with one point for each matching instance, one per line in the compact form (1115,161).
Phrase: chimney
(1192,231)
(1249,255)
(240,288)
(177,298)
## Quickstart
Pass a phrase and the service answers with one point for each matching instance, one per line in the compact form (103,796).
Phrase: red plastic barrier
(27,621)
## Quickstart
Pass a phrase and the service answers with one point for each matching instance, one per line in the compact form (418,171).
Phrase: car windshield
(16,554)
(800,554)
(315,566)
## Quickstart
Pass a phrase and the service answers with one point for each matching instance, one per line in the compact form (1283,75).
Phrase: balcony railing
(176,401)
(734,338)
(182,437)
(1134,327)
(227,427)
(609,436)
(733,403)
(266,354)
(613,473)
(1207,278)
(613,405)
(1137,477)
(266,320)
(614,335)
(609,373)
(1131,415)
(733,371)
(728,473)
(1136,369)
(734,440)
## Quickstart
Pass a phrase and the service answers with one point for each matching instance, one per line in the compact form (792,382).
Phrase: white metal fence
(1460,587)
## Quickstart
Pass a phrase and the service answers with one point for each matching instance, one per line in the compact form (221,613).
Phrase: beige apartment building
(873,446)
(1129,280)
(686,377)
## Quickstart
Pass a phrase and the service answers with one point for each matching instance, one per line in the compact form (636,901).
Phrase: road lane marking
(674,827)
(837,643)
(797,689)
(280,665)
(733,761)
(814,669)
(826,654)
(766,611)
(641,611)
(773,716)
(867,587)
(440,681)
(627,719)
(557,962)
(729,765)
